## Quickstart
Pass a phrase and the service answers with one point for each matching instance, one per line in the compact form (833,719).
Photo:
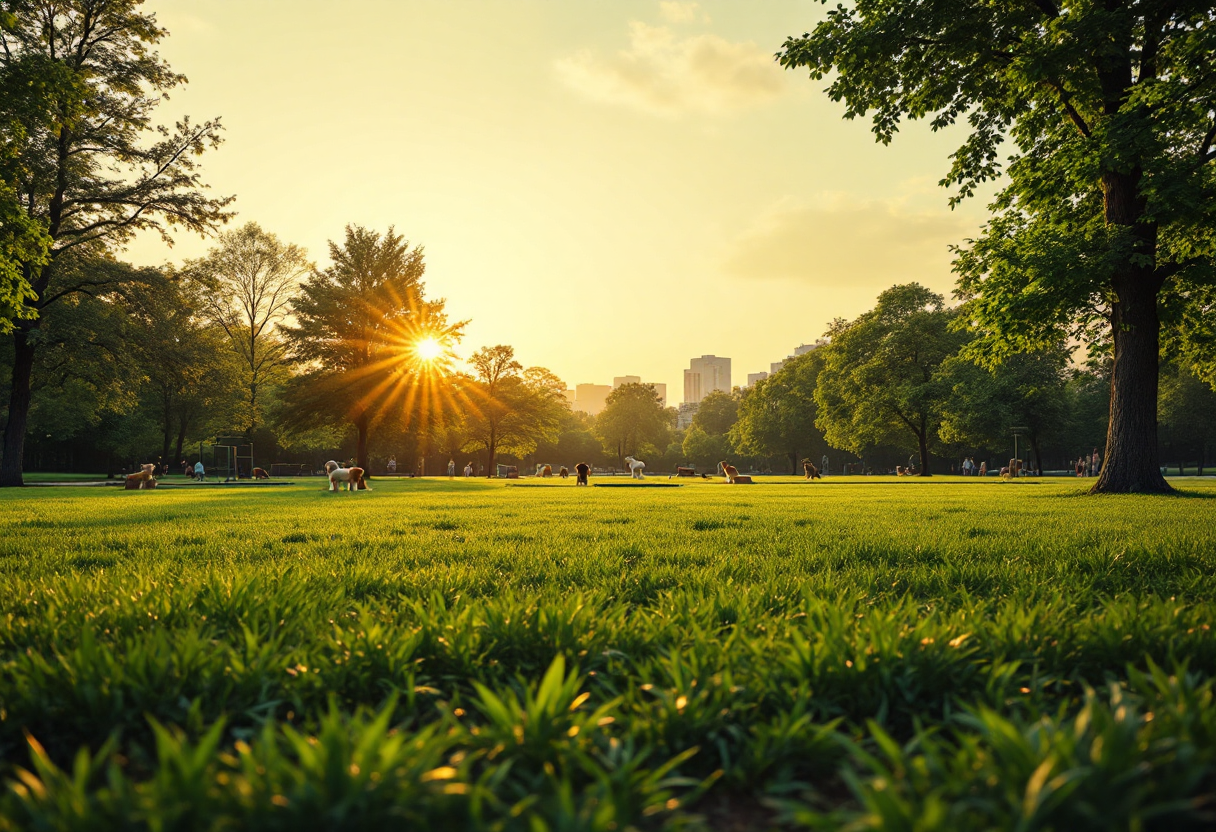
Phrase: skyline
(609,189)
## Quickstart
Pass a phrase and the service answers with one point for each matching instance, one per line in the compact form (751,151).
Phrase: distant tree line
(1085,316)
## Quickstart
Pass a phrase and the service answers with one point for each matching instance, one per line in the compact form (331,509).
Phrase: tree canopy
(357,326)
(1105,219)
(92,169)
(777,416)
(633,418)
(507,408)
(880,382)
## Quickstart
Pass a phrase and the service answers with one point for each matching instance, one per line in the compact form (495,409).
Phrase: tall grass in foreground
(967,655)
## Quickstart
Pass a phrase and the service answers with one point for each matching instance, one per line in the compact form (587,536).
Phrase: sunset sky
(610,187)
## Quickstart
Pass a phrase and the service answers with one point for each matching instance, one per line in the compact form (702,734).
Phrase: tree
(703,449)
(1111,196)
(509,409)
(1188,415)
(82,164)
(777,415)
(717,412)
(633,416)
(880,382)
(985,404)
(192,378)
(250,279)
(359,324)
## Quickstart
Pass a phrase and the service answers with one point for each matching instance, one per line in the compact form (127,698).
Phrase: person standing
(392,465)
(823,467)
(984,468)
(1095,463)
(200,473)
(451,469)
(468,469)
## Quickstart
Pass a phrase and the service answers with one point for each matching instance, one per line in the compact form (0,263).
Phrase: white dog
(353,477)
(636,466)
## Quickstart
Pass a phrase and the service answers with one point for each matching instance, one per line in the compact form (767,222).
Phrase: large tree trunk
(361,447)
(1130,463)
(793,458)
(1038,457)
(923,440)
(18,410)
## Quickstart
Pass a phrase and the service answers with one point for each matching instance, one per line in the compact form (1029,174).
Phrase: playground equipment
(507,472)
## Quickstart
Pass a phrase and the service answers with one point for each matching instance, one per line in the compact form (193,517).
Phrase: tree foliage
(81,149)
(777,416)
(1026,392)
(357,326)
(507,408)
(249,280)
(633,419)
(1105,219)
(880,382)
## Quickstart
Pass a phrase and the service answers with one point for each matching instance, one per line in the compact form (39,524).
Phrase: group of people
(468,469)
(1088,465)
(970,469)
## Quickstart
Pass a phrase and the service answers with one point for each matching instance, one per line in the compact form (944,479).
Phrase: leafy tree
(717,412)
(358,326)
(705,450)
(1187,411)
(1110,197)
(509,409)
(777,416)
(633,417)
(985,404)
(880,382)
(91,168)
(192,378)
(249,281)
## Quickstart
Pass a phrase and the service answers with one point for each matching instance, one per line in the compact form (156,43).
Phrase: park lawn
(943,653)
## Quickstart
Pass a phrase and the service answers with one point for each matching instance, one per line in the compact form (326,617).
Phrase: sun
(428,349)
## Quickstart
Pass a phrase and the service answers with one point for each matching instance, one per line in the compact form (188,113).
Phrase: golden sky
(610,187)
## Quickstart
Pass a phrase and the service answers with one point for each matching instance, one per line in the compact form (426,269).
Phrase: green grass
(883,654)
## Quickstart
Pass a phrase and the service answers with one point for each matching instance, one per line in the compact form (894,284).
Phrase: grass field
(867,653)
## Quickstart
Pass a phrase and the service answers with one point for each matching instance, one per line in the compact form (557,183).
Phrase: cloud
(839,241)
(666,74)
(675,11)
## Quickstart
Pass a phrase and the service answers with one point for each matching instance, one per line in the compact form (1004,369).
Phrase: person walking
(200,473)
(984,468)
(451,469)
(468,469)
(1095,463)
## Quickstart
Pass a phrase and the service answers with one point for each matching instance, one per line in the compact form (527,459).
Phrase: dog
(730,471)
(260,474)
(564,473)
(353,477)
(144,478)
(544,470)
(636,466)
(583,471)
(812,473)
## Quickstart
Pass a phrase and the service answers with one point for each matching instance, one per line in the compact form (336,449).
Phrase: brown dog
(143,479)
(260,474)
(583,470)
(729,470)
(812,473)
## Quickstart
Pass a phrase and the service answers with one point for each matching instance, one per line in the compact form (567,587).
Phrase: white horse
(636,466)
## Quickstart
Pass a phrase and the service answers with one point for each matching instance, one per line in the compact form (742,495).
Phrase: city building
(752,378)
(659,389)
(705,375)
(687,411)
(590,398)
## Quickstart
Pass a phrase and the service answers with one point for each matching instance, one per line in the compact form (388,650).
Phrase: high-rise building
(776,366)
(685,416)
(705,375)
(752,378)
(590,398)
(659,389)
